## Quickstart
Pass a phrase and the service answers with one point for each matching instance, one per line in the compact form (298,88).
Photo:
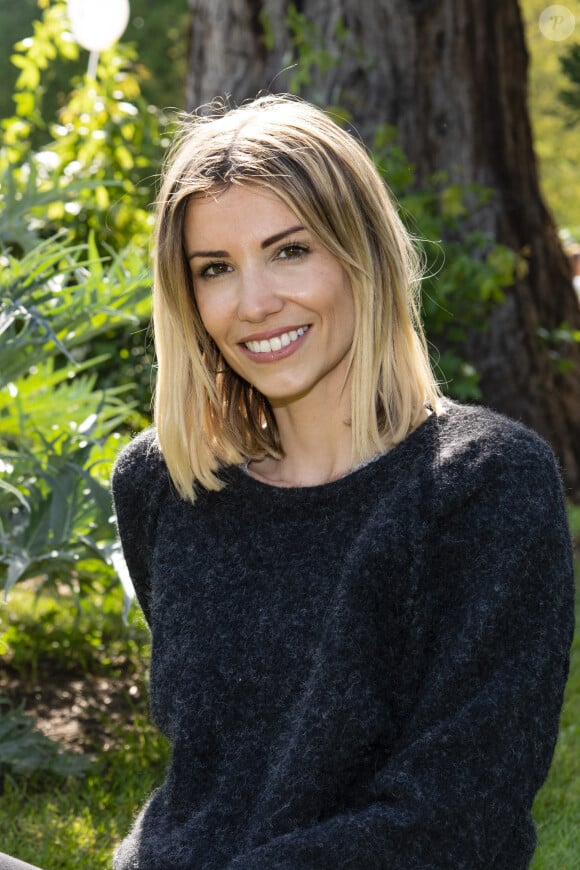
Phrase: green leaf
(24,750)
(12,490)
(16,565)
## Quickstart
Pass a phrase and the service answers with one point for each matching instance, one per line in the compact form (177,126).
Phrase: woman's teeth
(276,343)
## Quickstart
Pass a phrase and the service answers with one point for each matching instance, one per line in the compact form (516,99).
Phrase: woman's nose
(258,298)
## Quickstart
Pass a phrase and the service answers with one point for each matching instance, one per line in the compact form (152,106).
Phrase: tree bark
(451,75)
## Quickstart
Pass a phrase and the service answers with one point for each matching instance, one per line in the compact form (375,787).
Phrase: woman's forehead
(218,219)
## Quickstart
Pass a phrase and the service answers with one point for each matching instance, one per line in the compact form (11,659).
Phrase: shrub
(26,751)
(56,426)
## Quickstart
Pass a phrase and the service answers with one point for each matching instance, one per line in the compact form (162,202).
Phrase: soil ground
(83,714)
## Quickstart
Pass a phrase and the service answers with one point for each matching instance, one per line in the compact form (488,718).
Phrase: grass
(73,824)
(557,806)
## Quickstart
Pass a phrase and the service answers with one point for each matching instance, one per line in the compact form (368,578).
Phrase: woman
(360,594)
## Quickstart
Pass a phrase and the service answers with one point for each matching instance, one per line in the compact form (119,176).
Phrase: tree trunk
(451,75)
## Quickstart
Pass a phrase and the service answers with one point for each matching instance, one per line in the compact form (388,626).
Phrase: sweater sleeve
(457,791)
(139,476)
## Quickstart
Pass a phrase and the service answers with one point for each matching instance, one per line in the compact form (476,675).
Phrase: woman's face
(276,302)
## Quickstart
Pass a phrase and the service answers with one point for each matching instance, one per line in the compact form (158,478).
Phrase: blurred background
(472,114)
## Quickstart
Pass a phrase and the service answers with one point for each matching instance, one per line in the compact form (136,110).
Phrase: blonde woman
(359,593)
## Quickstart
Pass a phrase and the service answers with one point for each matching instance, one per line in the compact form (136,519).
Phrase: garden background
(79,161)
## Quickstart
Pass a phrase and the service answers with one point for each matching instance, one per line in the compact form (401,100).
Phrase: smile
(277,342)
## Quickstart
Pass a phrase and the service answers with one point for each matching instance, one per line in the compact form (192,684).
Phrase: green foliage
(58,521)
(309,52)
(56,441)
(158,31)
(90,170)
(27,194)
(574,520)
(311,59)
(570,95)
(558,343)
(554,130)
(52,635)
(466,271)
(70,190)
(33,58)
(58,298)
(26,751)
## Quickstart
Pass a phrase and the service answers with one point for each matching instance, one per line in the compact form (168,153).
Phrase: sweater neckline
(374,458)
(345,480)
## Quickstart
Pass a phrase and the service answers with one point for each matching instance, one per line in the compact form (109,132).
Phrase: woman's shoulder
(140,462)
(141,448)
(492,469)
(475,434)
(484,456)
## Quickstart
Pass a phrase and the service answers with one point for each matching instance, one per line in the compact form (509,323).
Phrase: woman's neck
(317,445)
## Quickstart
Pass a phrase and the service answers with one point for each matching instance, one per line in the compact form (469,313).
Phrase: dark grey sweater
(365,674)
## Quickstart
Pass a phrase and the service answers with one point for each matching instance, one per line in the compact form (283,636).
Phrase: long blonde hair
(206,415)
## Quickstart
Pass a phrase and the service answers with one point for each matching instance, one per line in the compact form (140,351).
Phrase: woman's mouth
(277,342)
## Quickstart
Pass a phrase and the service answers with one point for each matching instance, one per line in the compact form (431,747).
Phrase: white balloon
(97,24)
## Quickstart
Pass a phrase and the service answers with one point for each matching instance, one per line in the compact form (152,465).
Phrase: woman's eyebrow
(271,240)
(207,254)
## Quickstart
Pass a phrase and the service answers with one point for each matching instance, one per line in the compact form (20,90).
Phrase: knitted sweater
(363,674)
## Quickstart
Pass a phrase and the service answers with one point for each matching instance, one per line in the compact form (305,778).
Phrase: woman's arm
(137,481)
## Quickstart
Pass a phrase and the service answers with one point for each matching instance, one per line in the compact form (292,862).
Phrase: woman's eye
(214,270)
(292,252)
